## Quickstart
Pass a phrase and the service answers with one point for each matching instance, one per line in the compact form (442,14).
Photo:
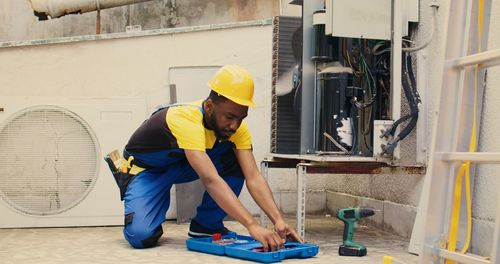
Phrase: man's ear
(209,105)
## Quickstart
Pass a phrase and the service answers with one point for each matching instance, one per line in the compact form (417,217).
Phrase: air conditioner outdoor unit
(52,171)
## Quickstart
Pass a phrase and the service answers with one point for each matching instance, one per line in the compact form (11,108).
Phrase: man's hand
(269,239)
(286,232)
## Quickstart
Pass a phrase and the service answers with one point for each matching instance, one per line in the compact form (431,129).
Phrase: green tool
(350,216)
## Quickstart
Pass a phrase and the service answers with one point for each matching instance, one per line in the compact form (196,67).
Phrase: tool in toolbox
(245,247)
(350,217)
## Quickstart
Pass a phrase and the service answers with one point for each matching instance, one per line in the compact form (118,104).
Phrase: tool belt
(124,169)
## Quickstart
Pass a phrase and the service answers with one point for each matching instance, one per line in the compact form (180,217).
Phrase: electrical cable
(410,98)
(411,101)
(373,94)
(354,131)
(411,94)
(434,26)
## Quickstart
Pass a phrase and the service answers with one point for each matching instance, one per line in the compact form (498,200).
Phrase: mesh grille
(49,160)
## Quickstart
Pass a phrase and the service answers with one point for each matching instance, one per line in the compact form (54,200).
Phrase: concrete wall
(17,21)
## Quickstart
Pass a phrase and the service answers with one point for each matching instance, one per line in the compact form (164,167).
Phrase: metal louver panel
(285,119)
(49,160)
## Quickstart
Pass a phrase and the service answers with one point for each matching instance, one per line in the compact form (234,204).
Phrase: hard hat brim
(240,101)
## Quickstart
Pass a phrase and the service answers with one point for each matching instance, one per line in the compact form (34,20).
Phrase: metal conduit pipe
(45,9)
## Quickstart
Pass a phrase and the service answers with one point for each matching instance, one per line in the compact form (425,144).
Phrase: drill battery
(352,251)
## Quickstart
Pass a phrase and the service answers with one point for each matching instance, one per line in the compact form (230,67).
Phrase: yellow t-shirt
(181,126)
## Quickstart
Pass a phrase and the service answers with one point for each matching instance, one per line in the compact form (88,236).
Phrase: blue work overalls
(147,197)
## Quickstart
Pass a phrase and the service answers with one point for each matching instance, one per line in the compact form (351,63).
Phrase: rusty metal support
(98,19)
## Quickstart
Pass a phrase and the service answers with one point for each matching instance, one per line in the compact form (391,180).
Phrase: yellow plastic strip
(387,260)
(480,16)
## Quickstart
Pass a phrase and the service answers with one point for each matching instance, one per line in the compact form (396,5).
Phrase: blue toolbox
(245,247)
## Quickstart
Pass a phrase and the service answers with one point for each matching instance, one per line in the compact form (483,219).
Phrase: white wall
(138,67)
(287,9)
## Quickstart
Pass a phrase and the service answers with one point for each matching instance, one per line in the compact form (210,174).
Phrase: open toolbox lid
(245,247)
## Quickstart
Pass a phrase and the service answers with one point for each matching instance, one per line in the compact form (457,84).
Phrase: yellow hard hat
(234,83)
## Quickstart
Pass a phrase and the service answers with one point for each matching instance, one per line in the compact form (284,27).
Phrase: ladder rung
(462,258)
(484,59)
(482,157)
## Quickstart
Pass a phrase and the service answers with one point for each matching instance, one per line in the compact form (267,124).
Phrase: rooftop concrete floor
(107,245)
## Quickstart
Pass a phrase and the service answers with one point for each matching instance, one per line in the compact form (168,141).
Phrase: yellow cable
(472,146)
(455,214)
(465,167)
(469,210)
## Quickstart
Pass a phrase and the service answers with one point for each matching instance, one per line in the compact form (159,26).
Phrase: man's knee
(140,236)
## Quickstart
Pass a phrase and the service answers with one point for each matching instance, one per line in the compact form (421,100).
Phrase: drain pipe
(45,9)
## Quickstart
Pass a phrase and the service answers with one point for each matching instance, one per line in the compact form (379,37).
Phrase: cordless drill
(350,216)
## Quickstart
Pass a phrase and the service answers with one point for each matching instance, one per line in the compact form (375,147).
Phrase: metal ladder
(446,154)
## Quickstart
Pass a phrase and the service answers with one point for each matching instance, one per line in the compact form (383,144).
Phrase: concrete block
(286,179)
(282,179)
(486,185)
(399,218)
(482,239)
(318,181)
(335,200)
(400,187)
(288,202)
(315,202)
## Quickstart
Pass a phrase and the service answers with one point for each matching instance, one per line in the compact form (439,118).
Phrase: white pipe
(396,65)
(434,5)
(59,8)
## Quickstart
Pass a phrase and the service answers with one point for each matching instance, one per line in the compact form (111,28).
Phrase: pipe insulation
(45,9)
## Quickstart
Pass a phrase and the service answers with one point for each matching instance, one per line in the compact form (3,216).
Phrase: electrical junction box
(379,127)
(368,19)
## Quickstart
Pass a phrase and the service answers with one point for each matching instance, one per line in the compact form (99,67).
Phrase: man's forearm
(218,188)
(261,193)
(227,200)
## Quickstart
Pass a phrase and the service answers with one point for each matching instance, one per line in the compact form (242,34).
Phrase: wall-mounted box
(369,19)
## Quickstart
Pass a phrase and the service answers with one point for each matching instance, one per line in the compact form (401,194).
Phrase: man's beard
(220,133)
